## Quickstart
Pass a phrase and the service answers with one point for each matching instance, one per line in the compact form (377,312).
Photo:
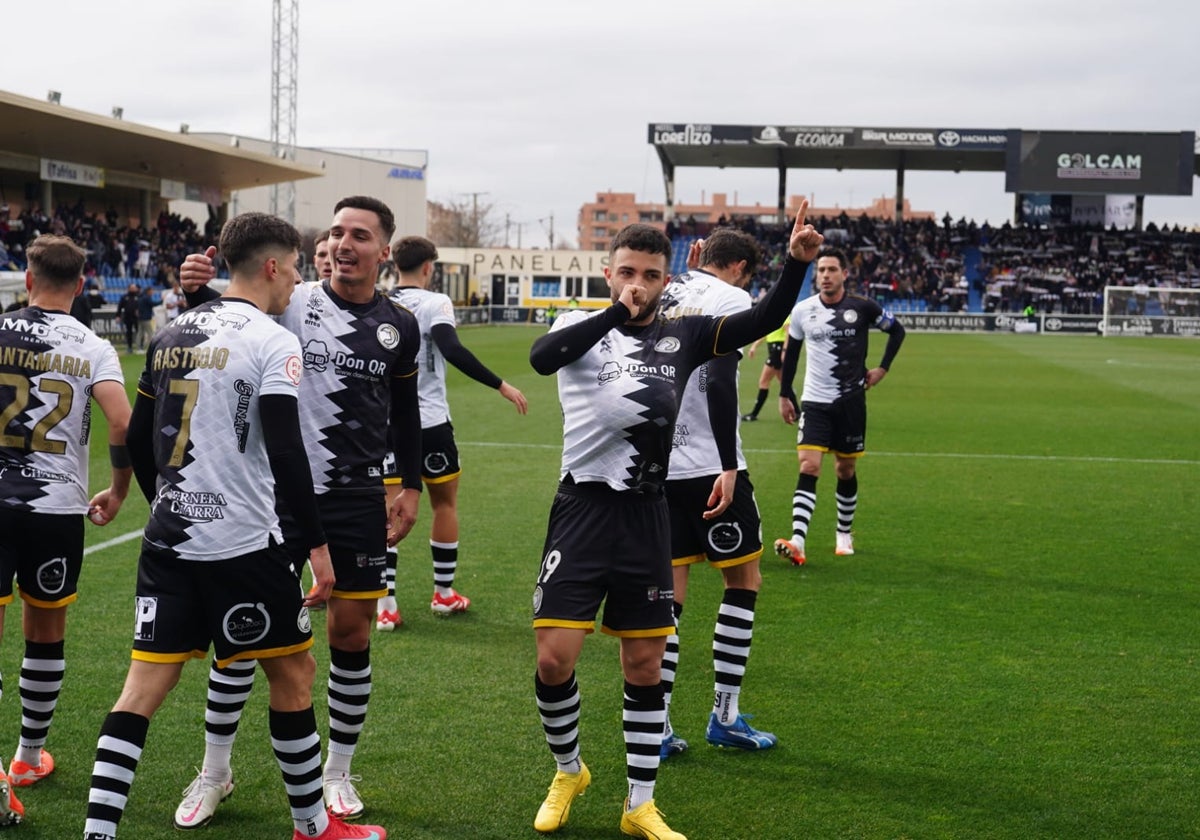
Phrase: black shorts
(356,528)
(774,355)
(45,553)
(839,427)
(247,607)
(733,538)
(602,545)
(439,454)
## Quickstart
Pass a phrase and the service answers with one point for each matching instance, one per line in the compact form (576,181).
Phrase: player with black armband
(832,415)
(51,367)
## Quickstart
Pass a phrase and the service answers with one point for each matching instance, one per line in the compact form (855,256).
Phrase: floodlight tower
(285,46)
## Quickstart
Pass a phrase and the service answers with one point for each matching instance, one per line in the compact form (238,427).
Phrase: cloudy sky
(539,104)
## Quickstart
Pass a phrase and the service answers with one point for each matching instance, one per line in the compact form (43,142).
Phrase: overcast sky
(540,104)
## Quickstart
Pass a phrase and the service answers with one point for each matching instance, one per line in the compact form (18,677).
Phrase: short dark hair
(725,246)
(837,254)
(321,237)
(640,237)
(245,238)
(387,220)
(56,260)
(412,252)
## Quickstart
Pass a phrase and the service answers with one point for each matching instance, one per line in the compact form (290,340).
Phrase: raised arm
(769,314)
(194,274)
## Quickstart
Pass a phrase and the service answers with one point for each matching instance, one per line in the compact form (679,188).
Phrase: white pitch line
(124,538)
(982,456)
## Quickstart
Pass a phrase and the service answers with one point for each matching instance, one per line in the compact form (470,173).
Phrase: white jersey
(430,309)
(694,449)
(620,398)
(48,365)
(206,372)
(835,339)
(351,354)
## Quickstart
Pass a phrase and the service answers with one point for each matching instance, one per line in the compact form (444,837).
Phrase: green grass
(1011,654)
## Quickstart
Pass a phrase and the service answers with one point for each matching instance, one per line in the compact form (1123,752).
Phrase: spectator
(145,314)
(127,314)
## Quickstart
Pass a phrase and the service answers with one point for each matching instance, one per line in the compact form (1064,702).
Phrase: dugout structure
(1035,163)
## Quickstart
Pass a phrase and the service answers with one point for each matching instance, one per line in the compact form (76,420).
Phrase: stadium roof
(834,147)
(35,129)
(830,147)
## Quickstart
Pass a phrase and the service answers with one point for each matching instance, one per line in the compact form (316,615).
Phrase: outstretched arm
(446,338)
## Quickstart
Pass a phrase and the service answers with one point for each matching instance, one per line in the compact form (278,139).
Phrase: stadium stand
(118,253)
(961,266)
(922,266)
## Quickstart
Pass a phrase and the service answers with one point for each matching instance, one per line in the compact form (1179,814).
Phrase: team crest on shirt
(850,316)
(52,575)
(670,344)
(388,336)
(292,368)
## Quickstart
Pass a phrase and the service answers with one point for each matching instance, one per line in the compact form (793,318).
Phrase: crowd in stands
(920,265)
(930,266)
(118,253)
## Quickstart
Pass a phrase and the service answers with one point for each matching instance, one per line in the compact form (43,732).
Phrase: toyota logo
(949,138)
(1054,324)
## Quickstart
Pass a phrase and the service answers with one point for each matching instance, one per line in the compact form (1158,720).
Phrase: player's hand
(515,397)
(874,377)
(693,257)
(721,496)
(197,269)
(635,298)
(805,241)
(402,515)
(104,507)
(787,410)
(323,579)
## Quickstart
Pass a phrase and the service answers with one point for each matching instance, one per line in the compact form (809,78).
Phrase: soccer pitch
(1012,653)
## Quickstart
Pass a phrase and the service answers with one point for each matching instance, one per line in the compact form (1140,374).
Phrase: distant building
(394,176)
(600,220)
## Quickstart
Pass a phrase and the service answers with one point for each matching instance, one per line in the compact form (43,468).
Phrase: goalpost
(1144,310)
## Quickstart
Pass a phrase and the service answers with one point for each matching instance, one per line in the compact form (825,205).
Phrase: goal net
(1145,310)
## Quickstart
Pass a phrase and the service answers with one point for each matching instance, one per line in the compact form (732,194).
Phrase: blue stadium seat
(680,244)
